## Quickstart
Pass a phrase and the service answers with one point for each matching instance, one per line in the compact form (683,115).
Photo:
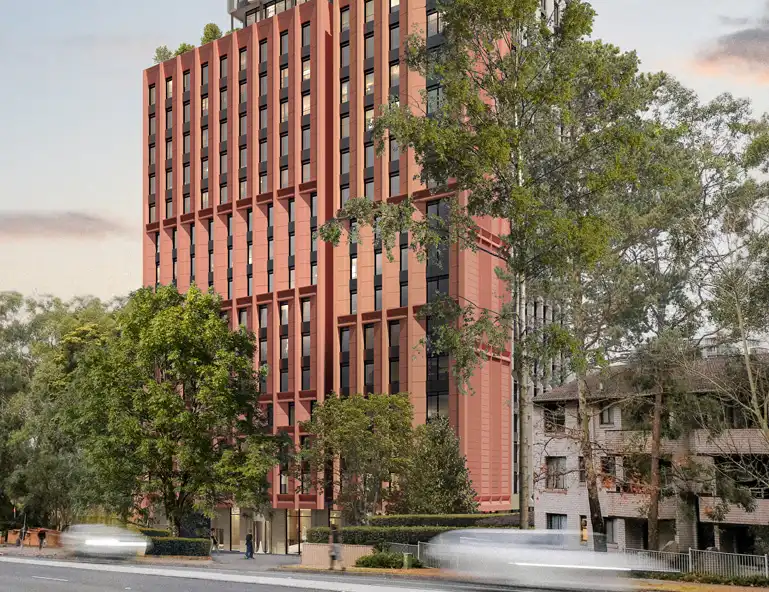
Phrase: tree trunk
(654,496)
(524,410)
(586,446)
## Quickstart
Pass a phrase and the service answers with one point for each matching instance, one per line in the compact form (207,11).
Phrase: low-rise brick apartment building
(251,143)
(621,439)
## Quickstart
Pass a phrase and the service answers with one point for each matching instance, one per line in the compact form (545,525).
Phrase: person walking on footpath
(41,539)
(249,546)
(335,547)
(214,542)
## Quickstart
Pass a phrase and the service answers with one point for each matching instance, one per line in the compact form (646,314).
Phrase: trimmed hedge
(180,547)
(377,535)
(697,578)
(385,561)
(154,532)
(453,520)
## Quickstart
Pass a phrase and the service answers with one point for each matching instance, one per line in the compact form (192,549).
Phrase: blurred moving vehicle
(98,540)
(550,559)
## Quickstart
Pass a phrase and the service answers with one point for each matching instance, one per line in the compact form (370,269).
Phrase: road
(30,575)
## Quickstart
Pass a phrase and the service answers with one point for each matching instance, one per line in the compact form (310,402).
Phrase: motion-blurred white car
(550,559)
(98,540)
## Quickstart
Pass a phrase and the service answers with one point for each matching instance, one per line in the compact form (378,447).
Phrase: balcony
(737,515)
(264,9)
(636,505)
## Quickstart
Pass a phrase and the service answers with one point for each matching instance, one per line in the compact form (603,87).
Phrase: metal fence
(727,565)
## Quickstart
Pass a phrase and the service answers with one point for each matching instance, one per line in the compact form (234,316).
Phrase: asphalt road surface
(29,575)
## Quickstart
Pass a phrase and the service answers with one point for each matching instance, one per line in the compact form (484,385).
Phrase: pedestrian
(41,539)
(249,546)
(214,542)
(335,548)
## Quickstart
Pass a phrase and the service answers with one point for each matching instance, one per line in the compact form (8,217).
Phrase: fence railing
(727,565)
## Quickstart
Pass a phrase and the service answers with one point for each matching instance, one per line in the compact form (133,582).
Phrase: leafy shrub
(377,536)
(698,578)
(385,561)
(455,520)
(180,547)
(503,521)
(154,532)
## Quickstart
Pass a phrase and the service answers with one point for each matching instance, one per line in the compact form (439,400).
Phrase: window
(353,267)
(344,92)
(204,137)
(223,66)
(395,184)
(243,317)
(306,69)
(353,302)
(243,125)
(152,154)
(263,183)
(306,345)
(284,314)
(224,196)
(368,118)
(306,385)
(204,74)
(284,177)
(313,204)
(314,274)
(263,325)
(368,47)
(169,88)
(186,81)
(344,341)
(169,119)
(284,43)
(185,143)
(223,163)
(152,213)
(204,203)
(270,217)
(395,37)
(306,172)
(169,208)
(306,35)
(229,226)
(607,415)
(223,98)
(243,92)
(284,77)
(305,138)
(250,254)
(368,156)
(608,466)
(306,104)
(368,189)
(369,10)
(203,107)
(555,419)
(404,294)
(291,245)
(152,95)
(344,194)
(395,151)
(611,531)
(344,20)
(243,156)
(437,404)
(263,51)
(369,83)
(284,348)
(556,521)
(344,55)
(263,85)
(153,188)
(270,250)
(291,413)
(263,118)
(243,59)
(556,472)
(186,174)
(284,144)
(283,389)
(394,5)
(434,24)
(169,149)
(169,179)
(582,470)
(395,75)
(223,131)
(284,111)
(434,96)
(263,151)
(378,298)
(368,377)
(344,162)
(344,127)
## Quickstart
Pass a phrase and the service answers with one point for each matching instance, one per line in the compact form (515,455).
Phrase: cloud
(67,225)
(742,53)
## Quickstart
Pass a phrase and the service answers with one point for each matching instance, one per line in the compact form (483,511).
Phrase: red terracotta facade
(309,180)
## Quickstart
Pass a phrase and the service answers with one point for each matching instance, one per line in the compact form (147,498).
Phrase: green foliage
(712,579)
(373,437)
(211,32)
(162,54)
(385,561)
(455,520)
(378,536)
(183,48)
(166,390)
(154,532)
(179,547)
(436,480)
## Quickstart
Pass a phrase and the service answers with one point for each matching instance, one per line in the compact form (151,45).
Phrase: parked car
(98,540)
(550,559)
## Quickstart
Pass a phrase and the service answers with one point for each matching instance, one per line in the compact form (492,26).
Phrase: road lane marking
(282,582)
(51,579)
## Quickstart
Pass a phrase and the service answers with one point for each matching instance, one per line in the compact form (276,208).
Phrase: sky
(71,115)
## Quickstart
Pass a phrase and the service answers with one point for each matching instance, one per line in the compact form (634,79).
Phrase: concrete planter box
(317,555)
